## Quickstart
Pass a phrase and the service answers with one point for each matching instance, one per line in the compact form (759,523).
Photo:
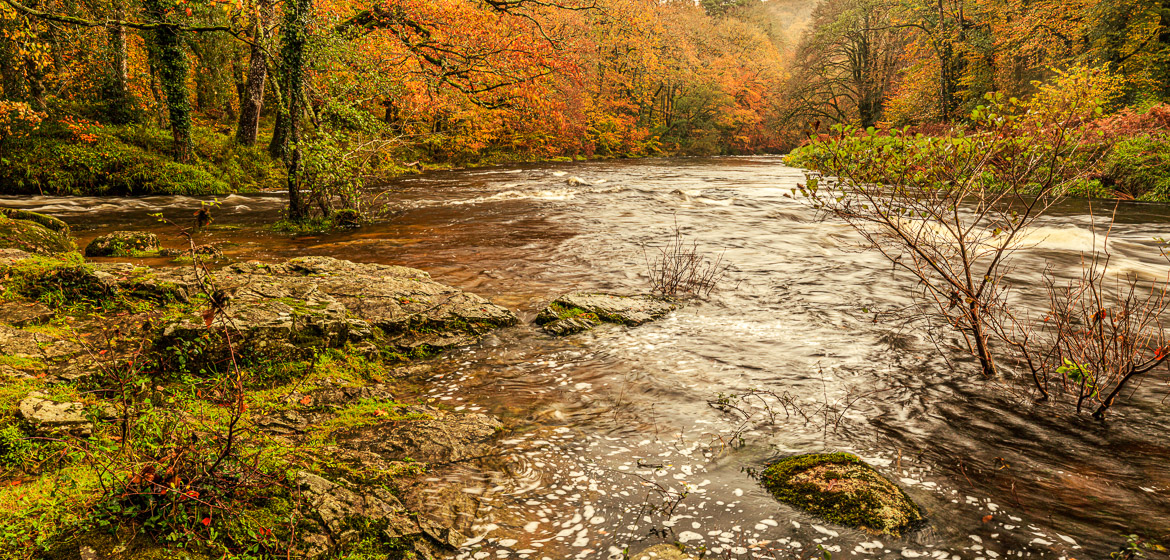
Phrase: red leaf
(206,521)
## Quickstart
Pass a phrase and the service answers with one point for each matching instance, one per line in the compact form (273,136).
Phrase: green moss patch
(841,489)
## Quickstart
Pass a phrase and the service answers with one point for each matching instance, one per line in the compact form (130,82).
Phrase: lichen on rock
(662,552)
(842,489)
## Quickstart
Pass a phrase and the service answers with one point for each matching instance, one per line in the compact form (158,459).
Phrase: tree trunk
(279,142)
(171,63)
(121,106)
(252,100)
(11,77)
(1163,67)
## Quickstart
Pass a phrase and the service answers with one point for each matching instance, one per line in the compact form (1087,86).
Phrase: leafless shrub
(680,269)
(759,408)
(1106,330)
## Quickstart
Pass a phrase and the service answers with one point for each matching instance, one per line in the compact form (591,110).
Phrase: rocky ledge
(33,233)
(842,489)
(300,305)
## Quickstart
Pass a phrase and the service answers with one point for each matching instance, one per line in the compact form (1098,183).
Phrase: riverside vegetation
(256,409)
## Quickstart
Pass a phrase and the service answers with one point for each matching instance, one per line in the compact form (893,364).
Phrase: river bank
(166,413)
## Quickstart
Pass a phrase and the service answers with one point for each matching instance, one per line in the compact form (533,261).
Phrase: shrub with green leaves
(14,445)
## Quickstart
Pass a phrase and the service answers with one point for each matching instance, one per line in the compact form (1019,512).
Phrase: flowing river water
(618,447)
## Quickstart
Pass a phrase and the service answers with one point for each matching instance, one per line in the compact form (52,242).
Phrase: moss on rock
(50,222)
(577,312)
(842,489)
(123,244)
(32,235)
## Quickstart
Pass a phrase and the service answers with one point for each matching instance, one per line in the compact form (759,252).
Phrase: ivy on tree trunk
(170,62)
(286,137)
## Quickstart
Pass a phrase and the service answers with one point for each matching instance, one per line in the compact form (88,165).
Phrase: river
(617,446)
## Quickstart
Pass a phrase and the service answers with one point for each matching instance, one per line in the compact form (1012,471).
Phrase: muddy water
(621,448)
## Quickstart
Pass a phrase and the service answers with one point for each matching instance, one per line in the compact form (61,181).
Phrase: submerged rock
(662,552)
(123,244)
(27,231)
(577,312)
(840,488)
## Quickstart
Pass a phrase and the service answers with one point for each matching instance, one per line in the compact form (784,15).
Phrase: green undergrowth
(1138,167)
(132,160)
(841,489)
(57,496)
(156,478)
(66,284)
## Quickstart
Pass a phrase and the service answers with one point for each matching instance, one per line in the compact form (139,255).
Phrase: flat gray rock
(48,416)
(325,302)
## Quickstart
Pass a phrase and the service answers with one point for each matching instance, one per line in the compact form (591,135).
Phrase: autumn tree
(849,61)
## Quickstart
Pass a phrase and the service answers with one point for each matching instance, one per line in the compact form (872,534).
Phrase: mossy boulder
(123,244)
(27,231)
(842,489)
(662,552)
(55,224)
(577,312)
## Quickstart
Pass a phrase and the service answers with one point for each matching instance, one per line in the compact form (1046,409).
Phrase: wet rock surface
(578,312)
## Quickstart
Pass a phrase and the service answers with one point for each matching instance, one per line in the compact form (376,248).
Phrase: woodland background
(216,96)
